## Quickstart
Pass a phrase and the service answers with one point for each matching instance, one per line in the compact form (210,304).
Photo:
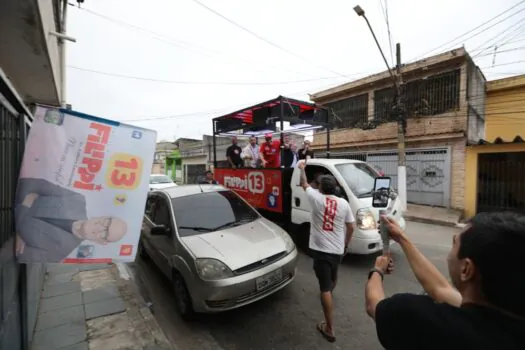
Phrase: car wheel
(182,298)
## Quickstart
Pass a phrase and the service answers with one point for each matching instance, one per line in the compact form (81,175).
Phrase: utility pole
(398,110)
(401,130)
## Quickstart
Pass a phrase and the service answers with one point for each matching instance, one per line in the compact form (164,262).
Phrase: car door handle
(297,202)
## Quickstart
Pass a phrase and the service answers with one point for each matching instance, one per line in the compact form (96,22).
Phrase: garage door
(500,182)
(428,173)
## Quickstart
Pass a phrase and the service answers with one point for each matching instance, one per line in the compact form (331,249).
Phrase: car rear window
(203,212)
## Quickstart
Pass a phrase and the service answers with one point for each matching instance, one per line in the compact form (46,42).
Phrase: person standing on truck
(270,152)
(306,152)
(288,154)
(233,154)
(250,153)
(331,229)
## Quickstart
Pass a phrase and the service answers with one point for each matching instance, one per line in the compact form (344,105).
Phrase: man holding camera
(483,308)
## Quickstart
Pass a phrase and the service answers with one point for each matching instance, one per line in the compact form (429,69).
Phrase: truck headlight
(365,219)
(212,269)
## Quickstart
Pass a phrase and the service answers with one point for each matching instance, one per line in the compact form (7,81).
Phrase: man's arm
(349,222)
(43,187)
(303,181)
(374,292)
(432,281)
(261,155)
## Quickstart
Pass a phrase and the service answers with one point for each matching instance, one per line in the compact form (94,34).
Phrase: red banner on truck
(259,187)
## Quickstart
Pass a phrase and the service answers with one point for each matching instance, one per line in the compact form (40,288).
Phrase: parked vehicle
(160,181)
(277,194)
(218,251)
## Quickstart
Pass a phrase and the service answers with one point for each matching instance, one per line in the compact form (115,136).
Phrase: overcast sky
(194,65)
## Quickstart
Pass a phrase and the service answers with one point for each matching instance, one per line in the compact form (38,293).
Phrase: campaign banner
(82,189)
(259,187)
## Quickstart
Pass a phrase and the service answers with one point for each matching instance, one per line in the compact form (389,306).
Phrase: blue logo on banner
(272,200)
(136,134)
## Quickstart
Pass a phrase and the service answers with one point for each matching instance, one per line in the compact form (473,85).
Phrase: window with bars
(434,95)
(383,102)
(350,111)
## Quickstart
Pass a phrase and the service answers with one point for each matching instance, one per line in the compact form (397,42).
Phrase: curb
(432,221)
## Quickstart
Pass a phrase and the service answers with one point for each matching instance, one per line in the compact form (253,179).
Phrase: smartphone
(380,199)
(381,192)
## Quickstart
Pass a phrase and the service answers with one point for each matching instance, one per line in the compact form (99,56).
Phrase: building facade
(162,150)
(495,164)
(30,73)
(445,109)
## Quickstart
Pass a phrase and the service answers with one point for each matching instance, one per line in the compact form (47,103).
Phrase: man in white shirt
(331,229)
(250,153)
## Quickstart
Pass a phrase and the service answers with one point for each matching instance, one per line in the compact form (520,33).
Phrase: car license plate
(269,279)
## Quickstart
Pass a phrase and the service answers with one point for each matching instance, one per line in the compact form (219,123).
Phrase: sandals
(321,327)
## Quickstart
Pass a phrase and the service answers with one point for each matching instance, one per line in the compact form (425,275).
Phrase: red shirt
(271,153)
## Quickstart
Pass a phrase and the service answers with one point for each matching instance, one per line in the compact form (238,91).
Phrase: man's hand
(394,230)
(29,200)
(19,245)
(385,264)
(301,164)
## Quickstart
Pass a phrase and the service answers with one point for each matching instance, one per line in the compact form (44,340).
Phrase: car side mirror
(159,230)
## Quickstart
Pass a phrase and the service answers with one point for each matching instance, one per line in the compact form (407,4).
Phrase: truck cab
(356,181)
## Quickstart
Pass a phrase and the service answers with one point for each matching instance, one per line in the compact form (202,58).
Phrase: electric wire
(260,37)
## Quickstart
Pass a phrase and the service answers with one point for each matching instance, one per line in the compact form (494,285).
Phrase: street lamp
(399,109)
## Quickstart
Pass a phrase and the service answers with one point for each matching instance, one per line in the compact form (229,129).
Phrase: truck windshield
(359,177)
(210,211)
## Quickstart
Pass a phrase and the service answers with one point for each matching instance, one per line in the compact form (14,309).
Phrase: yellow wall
(505,109)
(504,118)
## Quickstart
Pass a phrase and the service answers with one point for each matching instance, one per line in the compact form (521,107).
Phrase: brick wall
(426,126)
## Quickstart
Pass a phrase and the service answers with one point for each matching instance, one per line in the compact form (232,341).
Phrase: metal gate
(428,172)
(20,285)
(193,172)
(500,182)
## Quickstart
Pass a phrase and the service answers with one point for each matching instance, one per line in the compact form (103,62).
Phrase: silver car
(219,252)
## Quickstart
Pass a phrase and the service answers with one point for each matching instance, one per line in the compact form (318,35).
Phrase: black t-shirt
(234,152)
(287,157)
(407,321)
(303,154)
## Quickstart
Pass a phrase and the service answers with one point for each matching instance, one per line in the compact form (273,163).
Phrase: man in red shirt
(270,152)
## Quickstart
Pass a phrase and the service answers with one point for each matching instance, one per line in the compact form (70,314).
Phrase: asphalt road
(287,319)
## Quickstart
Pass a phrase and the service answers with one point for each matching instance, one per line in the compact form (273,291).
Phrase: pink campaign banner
(82,189)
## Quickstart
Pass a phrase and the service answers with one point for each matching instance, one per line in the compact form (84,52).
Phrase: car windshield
(359,177)
(210,211)
(159,179)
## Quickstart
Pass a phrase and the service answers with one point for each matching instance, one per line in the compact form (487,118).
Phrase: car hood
(238,246)
(161,186)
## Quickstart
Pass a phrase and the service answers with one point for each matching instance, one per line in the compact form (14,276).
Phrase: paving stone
(59,317)
(61,278)
(54,290)
(92,267)
(108,291)
(58,269)
(59,337)
(60,302)
(79,346)
(104,308)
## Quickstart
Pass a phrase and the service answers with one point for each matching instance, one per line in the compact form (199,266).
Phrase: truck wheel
(182,298)
(303,238)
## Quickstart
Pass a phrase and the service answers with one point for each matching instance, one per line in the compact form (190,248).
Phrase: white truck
(356,180)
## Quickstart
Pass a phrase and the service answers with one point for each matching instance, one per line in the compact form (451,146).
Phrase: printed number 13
(124,171)
(126,178)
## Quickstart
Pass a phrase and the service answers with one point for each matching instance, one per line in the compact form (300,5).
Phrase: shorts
(326,266)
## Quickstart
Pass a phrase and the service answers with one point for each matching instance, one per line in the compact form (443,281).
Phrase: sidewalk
(92,307)
(433,215)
